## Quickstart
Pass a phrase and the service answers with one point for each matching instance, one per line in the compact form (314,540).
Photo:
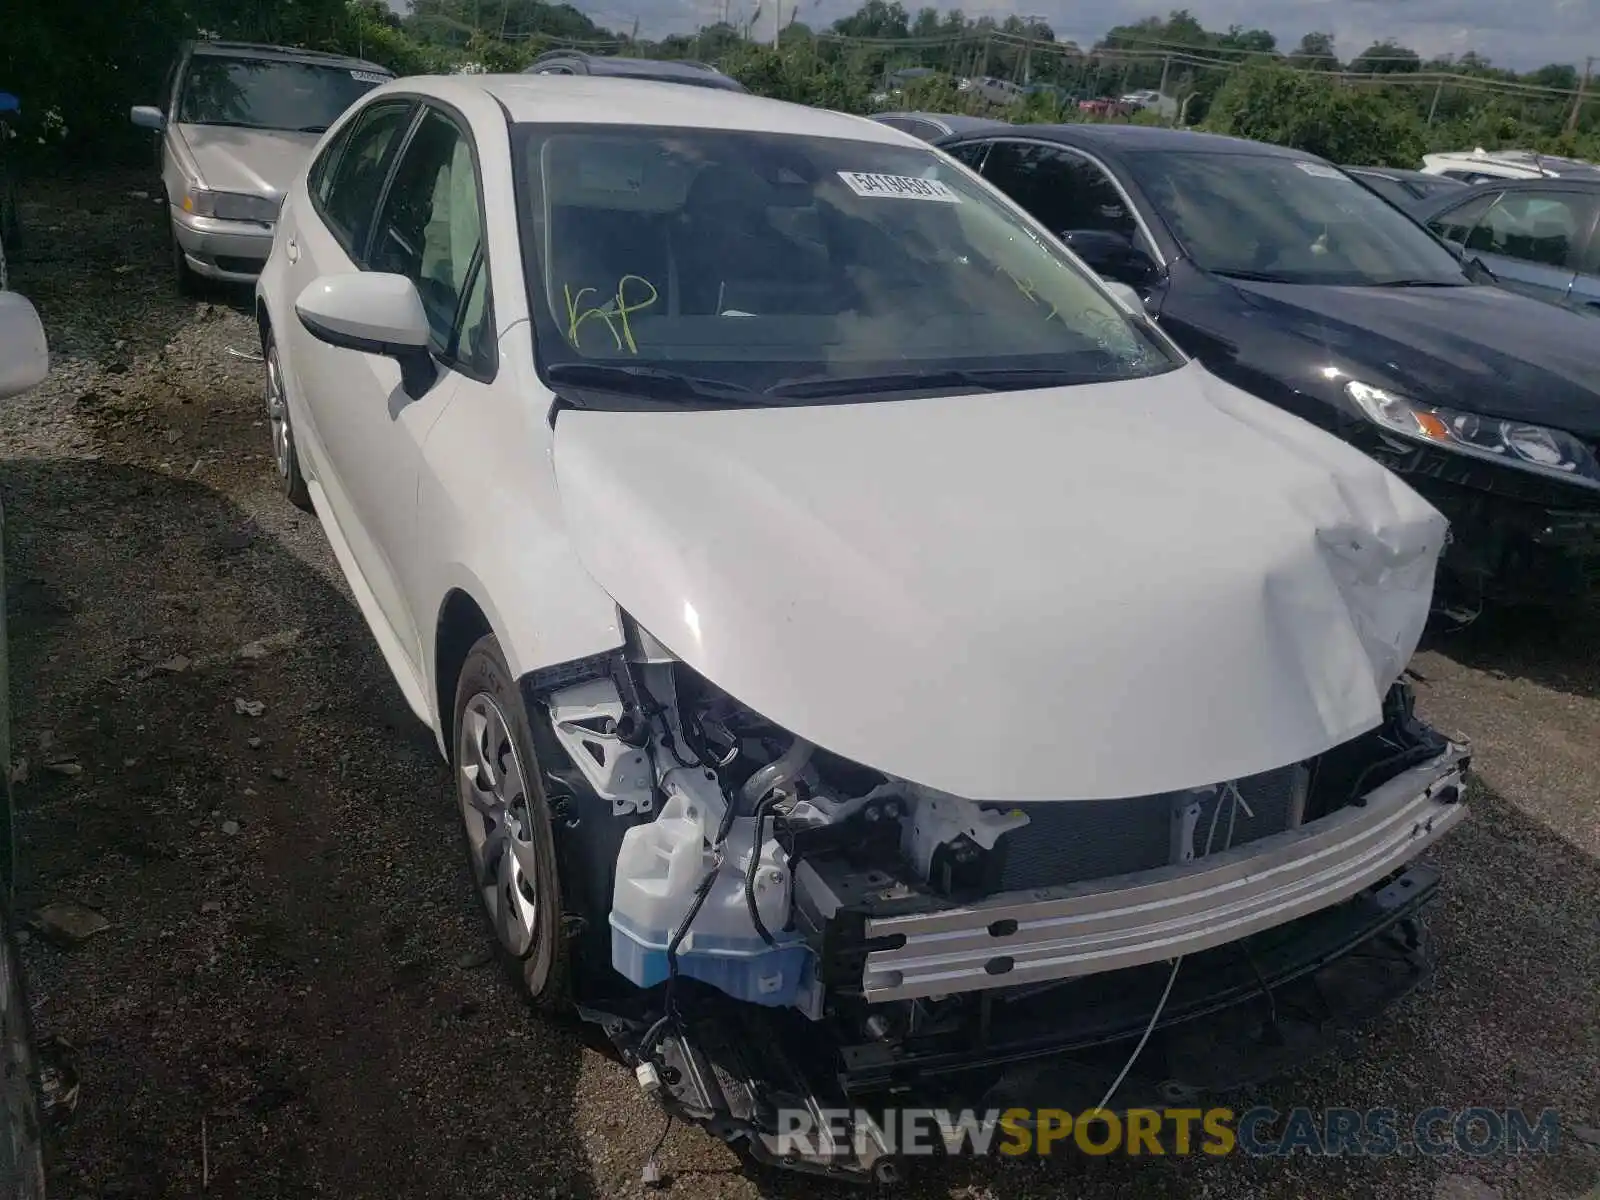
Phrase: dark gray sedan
(1538,236)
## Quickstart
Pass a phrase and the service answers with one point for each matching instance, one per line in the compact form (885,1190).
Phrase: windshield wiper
(1416,283)
(989,379)
(312,129)
(654,383)
(1251,276)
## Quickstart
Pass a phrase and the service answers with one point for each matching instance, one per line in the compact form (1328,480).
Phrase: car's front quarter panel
(490,524)
(1216,324)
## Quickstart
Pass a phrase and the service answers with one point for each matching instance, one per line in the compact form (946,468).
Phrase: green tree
(1387,58)
(876,19)
(1290,108)
(1315,53)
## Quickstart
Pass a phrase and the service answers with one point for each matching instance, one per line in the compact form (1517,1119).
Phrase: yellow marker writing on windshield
(613,313)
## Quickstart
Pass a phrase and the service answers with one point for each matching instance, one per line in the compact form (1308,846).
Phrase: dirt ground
(294,997)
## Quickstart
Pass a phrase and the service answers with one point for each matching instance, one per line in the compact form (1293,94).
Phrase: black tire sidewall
(183,275)
(544,975)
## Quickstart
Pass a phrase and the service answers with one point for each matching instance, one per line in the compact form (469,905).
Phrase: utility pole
(1166,65)
(1023,72)
(1434,107)
(1577,101)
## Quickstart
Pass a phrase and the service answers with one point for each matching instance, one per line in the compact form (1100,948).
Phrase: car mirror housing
(1111,254)
(147,116)
(371,312)
(24,354)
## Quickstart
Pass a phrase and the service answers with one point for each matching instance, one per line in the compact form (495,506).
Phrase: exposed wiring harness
(1230,796)
(754,865)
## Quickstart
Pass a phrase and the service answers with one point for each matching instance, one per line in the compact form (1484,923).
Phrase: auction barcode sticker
(368,77)
(902,187)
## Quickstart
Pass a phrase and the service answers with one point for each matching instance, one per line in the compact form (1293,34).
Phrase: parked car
(24,362)
(669,442)
(1404,188)
(10,221)
(1286,277)
(896,82)
(930,127)
(991,90)
(1538,236)
(1481,166)
(237,122)
(1149,98)
(1105,106)
(576,62)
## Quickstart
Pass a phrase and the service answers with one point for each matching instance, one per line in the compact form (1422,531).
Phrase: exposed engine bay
(782,924)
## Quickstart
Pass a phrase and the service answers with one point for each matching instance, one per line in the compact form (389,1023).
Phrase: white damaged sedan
(872,658)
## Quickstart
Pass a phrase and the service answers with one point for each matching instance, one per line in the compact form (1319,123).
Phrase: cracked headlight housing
(1515,443)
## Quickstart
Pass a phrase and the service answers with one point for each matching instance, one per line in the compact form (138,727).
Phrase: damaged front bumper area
(1236,1015)
(1015,939)
(919,950)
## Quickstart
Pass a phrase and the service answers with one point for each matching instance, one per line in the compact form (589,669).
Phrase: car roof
(601,100)
(1405,173)
(1136,138)
(285,54)
(611,64)
(956,123)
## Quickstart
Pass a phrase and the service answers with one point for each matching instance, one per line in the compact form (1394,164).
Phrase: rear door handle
(291,250)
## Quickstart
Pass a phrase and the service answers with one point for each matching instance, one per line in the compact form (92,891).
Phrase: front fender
(489,523)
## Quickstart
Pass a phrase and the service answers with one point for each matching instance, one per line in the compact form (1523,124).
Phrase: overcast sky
(1522,34)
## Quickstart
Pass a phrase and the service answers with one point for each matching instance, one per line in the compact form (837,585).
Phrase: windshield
(256,93)
(1260,216)
(761,264)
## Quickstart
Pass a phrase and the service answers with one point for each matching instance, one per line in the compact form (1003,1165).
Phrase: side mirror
(372,313)
(1473,267)
(24,354)
(1111,254)
(147,116)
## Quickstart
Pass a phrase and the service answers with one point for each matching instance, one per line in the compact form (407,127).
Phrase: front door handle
(291,250)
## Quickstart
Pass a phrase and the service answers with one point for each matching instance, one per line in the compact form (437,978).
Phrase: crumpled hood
(253,162)
(1099,591)
(1484,349)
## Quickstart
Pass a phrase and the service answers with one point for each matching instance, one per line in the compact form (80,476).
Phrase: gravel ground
(293,998)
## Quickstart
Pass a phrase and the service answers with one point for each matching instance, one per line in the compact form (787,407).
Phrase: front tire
(285,457)
(510,842)
(188,283)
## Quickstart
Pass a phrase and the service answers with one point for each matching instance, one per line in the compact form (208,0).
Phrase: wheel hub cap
(278,414)
(494,807)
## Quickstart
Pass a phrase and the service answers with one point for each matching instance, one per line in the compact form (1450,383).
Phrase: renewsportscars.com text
(1143,1132)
